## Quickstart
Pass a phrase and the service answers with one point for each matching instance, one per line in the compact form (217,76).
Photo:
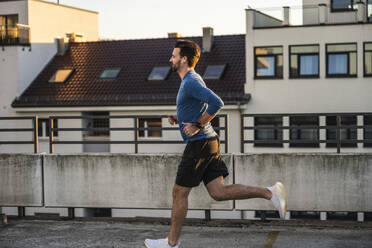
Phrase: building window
(308,134)
(110,73)
(8,29)
(342,5)
(268,62)
(214,71)
(274,137)
(368,131)
(60,76)
(43,128)
(98,122)
(369,10)
(159,73)
(216,125)
(346,134)
(342,60)
(150,123)
(304,61)
(368,59)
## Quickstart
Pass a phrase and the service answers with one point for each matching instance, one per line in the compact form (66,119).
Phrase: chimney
(61,47)
(174,35)
(361,12)
(207,39)
(286,16)
(322,13)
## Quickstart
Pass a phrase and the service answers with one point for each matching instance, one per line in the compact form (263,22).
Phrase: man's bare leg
(179,211)
(220,192)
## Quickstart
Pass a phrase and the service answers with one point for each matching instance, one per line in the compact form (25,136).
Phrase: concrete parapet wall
(21,180)
(119,181)
(314,182)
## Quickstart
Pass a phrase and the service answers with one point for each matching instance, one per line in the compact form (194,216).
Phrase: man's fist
(172,119)
(190,129)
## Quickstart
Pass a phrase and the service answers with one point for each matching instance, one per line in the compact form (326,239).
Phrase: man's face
(176,59)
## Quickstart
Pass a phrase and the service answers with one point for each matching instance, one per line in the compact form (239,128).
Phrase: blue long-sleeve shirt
(193,99)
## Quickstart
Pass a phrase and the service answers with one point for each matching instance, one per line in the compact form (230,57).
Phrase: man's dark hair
(189,49)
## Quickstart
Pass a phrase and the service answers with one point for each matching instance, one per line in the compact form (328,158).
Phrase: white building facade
(322,67)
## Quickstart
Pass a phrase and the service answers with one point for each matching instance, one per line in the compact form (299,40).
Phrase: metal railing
(337,128)
(135,129)
(14,35)
(34,129)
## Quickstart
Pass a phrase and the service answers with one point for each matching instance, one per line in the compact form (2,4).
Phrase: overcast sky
(130,19)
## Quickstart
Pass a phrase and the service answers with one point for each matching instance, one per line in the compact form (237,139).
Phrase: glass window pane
(265,66)
(60,76)
(345,133)
(268,50)
(214,71)
(294,65)
(337,64)
(341,4)
(342,48)
(368,47)
(352,64)
(309,65)
(268,134)
(159,73)
(368,131)
(110,73)
(305,49)
(154,122)
(368,63)
(279,66)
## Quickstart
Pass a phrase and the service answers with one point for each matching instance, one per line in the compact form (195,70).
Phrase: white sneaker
(279,198)
(159,243)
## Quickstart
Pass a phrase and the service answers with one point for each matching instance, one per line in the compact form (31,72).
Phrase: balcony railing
(14,35)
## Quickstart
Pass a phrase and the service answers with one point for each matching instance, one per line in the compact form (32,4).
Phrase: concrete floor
(38,233)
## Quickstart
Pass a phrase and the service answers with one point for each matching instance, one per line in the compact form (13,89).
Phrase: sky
(133,19)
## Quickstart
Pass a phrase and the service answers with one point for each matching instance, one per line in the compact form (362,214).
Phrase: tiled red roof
(136,58)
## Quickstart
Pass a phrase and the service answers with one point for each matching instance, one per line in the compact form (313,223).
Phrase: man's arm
(190,129)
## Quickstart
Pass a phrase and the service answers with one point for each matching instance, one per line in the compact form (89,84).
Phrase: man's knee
(217,194)
(180,191)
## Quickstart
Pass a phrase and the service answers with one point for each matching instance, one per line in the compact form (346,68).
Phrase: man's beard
(176,66)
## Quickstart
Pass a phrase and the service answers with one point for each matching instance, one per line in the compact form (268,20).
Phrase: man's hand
(172,119)
(190,129)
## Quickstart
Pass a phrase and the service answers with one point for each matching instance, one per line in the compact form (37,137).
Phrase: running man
(196,107)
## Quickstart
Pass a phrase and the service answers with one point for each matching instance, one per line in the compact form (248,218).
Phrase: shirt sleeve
(197,91)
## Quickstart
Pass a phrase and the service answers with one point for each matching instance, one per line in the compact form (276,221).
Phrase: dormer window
(61,76)
(159,73)
(110,73)
(214,71)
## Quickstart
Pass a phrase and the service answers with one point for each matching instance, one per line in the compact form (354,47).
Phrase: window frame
(347,75)
(344,9)
(314,144)
(110,78)
(365,143)
(298,61)
(146,132)
(66,78)
(348,132)
(275,63)
(46,135)
(215,78)
(364,58)
(165,77)
(276,133)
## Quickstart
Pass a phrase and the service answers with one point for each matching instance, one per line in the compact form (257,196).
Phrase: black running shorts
(201,160)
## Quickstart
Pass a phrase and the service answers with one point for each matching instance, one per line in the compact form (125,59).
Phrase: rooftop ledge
(308,15)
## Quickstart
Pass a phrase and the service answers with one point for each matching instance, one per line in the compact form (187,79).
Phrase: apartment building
(320,68)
